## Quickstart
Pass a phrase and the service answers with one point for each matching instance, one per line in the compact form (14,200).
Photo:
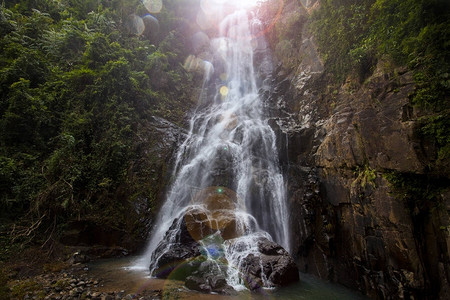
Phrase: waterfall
(227,169)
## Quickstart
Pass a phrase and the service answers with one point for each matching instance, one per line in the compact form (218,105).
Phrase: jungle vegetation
(78,86)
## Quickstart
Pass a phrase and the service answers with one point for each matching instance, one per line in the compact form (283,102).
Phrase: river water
(115,275)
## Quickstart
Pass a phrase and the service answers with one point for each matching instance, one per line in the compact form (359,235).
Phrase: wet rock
(273,266)
(210,277)
(78,257)
(186,259)
(197,284)
(197,224)
(170,256)
(219,214)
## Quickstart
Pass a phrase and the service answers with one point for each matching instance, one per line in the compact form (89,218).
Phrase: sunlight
(212,12)
(244,3)
(209,6)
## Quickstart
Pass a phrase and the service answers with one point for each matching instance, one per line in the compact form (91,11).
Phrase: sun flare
(239,4)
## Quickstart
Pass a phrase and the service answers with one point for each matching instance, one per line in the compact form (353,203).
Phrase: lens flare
(136,24)
(223,91)
(153,6)
(151,26)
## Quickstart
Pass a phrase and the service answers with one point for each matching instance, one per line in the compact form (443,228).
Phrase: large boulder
(178,253)
(186,253)
(179,257)
(187,242)
(271,267)
(195,250)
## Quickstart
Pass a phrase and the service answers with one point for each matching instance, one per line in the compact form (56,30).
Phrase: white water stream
(230,151)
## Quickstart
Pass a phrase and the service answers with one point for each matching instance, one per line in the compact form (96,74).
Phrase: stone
(197,284)
(210,277)
(195,225)
(78,257)
(273,263)
(178,255)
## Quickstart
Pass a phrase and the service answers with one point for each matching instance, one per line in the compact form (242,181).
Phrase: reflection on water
(114,275)
(312,288)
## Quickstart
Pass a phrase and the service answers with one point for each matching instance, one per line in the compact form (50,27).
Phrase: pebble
(68,286)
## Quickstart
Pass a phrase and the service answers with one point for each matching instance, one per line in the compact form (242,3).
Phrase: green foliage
(417,33)
(341,28)
(421,193)
(437,129)
(352,35)
(76,89)
(365,176)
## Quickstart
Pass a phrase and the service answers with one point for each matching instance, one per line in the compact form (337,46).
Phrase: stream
(115,275)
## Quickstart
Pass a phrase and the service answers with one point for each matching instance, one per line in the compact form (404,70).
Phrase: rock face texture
(346,149)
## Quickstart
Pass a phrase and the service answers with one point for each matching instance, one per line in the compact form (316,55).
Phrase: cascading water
(226,172)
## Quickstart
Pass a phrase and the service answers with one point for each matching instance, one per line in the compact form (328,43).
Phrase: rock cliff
(368,205)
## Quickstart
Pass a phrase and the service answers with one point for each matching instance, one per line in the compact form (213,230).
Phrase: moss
(365,176)
(62,283)
(19,289)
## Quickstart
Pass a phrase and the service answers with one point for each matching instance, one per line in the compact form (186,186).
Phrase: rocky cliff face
(369,210)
